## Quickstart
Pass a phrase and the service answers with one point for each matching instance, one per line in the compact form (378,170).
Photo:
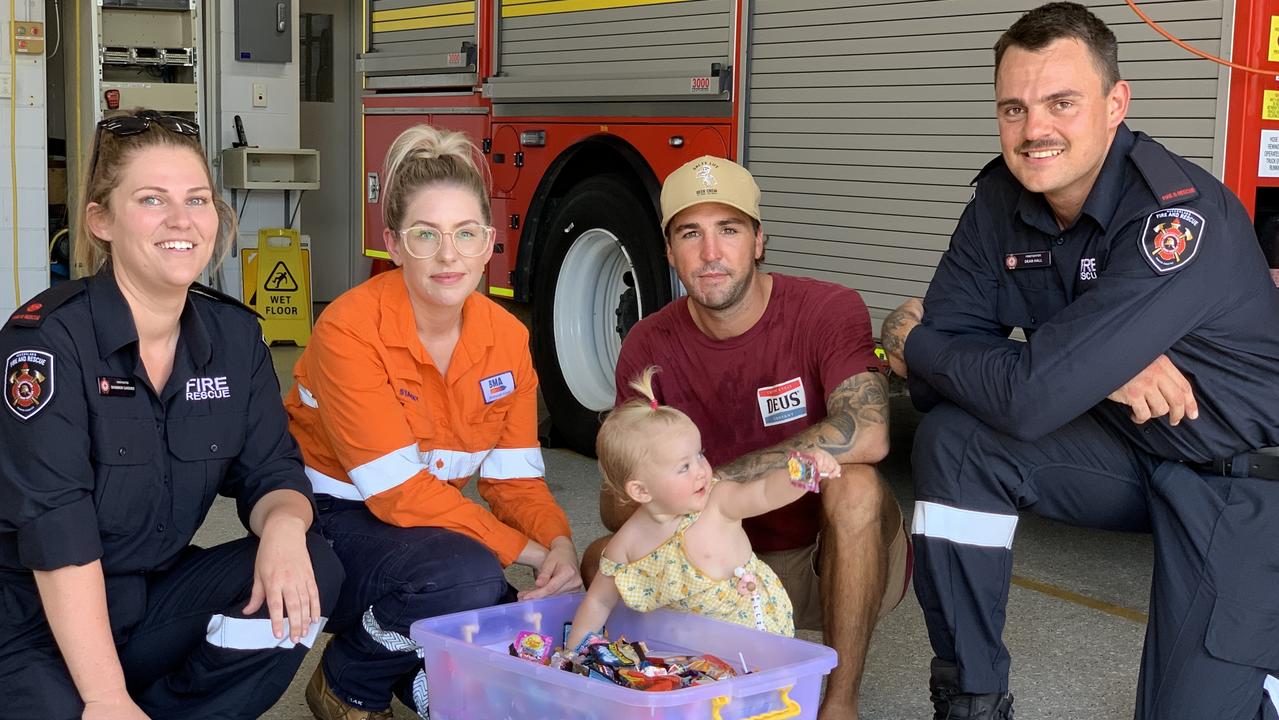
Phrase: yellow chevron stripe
(526,8)
(422,11)
(431,22)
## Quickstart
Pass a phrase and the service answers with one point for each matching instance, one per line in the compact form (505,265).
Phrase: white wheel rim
(587,294)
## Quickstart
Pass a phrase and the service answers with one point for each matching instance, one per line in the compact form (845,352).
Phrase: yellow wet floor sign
(277,283)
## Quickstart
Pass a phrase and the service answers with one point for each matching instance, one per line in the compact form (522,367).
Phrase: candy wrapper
(617,654)
(592,638)
(802,469)
(533,646)
(712,667)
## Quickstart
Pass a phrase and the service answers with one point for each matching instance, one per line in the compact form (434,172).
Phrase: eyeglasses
(125,125)
(424,241)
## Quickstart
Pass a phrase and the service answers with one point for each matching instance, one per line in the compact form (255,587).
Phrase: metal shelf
(148,56)
(250,168)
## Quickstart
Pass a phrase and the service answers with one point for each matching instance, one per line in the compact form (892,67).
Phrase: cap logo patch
(704,174)
(1171,238)
(28,382)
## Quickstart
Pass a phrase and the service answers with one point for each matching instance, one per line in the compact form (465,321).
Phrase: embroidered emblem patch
(28,382)
(705,173)
(496,387)
(783,402)
(1171,238)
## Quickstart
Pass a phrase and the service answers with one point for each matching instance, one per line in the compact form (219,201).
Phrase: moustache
(712,268)
(1034,145)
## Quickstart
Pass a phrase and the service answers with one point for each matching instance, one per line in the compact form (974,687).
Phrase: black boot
(951,704)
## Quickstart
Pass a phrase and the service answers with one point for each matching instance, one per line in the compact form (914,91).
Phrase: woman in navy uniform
(132,398)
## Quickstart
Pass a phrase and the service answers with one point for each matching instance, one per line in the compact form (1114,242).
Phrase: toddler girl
(684,547)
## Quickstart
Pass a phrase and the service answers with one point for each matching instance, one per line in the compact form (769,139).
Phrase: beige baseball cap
(709,179)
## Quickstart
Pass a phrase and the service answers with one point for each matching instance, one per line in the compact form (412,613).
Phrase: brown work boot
(326,706)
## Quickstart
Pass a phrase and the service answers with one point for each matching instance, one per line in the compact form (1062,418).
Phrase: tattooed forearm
(896,329)
(893,333)
(855,428)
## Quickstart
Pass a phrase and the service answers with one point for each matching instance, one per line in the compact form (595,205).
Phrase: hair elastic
(652,404)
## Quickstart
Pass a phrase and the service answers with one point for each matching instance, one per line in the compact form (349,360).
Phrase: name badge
(116,387)
(496,387)
(1025,260)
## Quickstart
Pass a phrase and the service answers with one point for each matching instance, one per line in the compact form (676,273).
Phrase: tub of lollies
(472,675)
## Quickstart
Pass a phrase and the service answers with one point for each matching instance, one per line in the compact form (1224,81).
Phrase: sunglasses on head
(125,125)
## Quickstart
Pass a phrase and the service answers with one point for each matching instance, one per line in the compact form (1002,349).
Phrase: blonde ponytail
(625,438)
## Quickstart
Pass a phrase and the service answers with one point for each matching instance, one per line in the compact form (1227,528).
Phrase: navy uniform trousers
(396,576)
(190,654)
(1212,641)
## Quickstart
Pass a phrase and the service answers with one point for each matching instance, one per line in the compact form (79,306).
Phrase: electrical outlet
(6,85)
(259,95)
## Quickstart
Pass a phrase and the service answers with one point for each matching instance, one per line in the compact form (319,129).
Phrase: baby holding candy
(684,548)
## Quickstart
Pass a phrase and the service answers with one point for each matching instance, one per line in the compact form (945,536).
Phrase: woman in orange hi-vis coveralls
(412,383)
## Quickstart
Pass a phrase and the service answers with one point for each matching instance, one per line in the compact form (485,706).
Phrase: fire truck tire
(601,267)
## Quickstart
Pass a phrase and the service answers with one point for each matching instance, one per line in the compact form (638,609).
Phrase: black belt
(1262,465)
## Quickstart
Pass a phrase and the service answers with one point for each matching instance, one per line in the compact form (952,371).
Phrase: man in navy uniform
(1146,397)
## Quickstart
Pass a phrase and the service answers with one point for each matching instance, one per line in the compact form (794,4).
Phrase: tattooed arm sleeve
(855,430)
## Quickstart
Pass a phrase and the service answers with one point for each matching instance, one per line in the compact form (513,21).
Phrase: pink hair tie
(652,404)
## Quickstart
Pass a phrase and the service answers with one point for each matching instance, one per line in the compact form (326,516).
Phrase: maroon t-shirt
(761,387)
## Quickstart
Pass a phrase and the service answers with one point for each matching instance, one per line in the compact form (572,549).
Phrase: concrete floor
(1075,611)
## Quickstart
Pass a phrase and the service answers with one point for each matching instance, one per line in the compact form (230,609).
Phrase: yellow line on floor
(1074,597)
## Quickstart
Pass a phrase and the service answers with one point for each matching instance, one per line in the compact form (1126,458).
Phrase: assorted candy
(624,663)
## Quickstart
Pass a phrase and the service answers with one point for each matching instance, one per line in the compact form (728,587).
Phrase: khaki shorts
(798,570)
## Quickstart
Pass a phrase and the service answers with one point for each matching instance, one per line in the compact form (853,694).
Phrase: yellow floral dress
(666,579)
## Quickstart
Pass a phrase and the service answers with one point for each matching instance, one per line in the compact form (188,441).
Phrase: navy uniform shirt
(1162,259)
(96,464)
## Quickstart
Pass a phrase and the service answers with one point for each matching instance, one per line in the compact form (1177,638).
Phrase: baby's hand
(807,470)
(826,463)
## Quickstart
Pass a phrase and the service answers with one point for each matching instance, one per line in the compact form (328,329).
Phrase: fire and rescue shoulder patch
(28,382)
(1171,238)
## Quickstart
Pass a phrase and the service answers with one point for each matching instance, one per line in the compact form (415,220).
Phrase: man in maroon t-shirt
(765,364)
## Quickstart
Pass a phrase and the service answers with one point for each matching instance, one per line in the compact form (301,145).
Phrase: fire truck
(864,122)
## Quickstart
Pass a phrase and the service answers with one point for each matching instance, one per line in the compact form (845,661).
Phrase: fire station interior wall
(867,122)
(667,38)
(429,29)
(24,142)
(273,126)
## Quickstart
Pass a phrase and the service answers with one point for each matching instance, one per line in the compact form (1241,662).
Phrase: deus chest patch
(28,382)
(1171,239)
(783,402)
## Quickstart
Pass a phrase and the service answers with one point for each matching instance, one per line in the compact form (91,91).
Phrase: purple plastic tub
(470,676)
